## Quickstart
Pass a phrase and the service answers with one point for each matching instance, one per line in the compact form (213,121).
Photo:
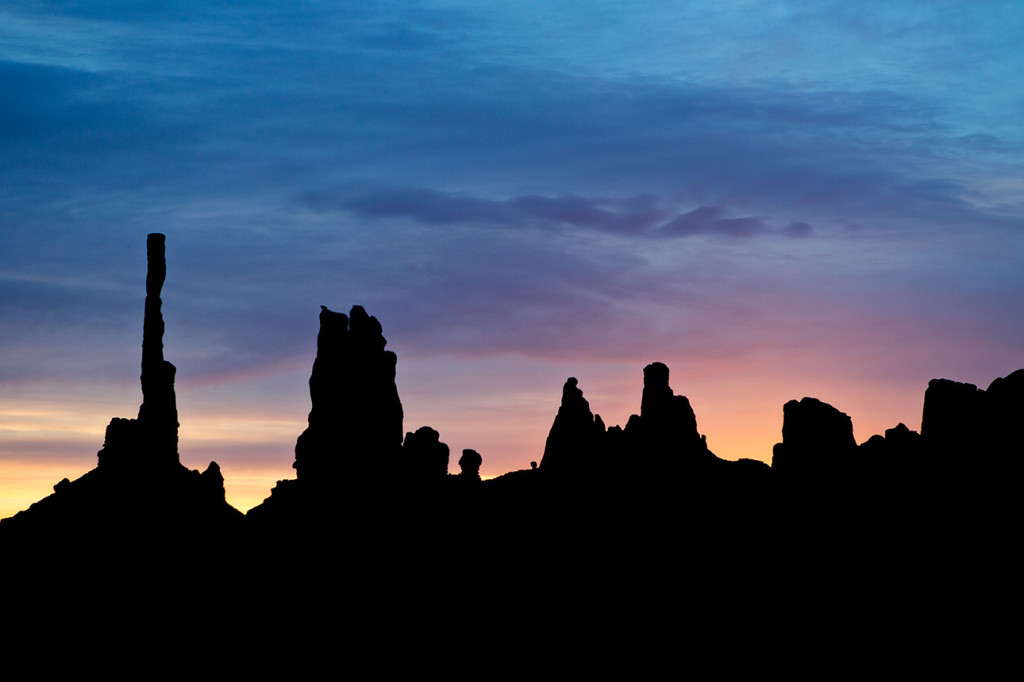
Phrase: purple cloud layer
(634,217)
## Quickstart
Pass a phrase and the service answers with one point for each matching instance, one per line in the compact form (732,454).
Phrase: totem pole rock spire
(158,414)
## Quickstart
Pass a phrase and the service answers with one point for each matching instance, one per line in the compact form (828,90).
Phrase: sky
(776,199)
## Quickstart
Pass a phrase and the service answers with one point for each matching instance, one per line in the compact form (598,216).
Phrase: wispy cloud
(635,216)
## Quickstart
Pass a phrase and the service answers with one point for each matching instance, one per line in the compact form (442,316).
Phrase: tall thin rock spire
(158,414)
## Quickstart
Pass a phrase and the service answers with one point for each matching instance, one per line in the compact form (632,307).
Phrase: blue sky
(777,199)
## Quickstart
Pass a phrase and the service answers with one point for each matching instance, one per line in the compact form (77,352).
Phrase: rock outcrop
(355,423)
(469,465)
(656,450)
(351,458)
(817,439)
(666,430)
(576,439)
(139,489)
(897,454)
(1005,422)
(974,432)
(424,458)
(952,416)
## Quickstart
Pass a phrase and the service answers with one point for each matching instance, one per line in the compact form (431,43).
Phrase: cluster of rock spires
(356,473)
(661,441)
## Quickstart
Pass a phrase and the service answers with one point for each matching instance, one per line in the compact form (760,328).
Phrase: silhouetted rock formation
(1005,423)
(960,418)
(158,414)
(897,454)
(155,432)
(659,464)
(816,439)
(139,489)
(355,424)
(666,430)
(351,457)
(469,464)
(952,417)
(424,457)
(660,442)
(974,434)
(576,439)
(610,521)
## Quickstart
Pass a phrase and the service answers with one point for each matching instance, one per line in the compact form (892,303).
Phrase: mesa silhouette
(599,495)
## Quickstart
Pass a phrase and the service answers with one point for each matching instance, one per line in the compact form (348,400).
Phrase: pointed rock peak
(333,319)
(901,430)
(573,435)
(366,328)
(571,392)
(361,321)
(574,405)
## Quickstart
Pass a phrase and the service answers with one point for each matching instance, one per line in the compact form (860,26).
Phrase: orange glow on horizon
(23,483)
(502,409)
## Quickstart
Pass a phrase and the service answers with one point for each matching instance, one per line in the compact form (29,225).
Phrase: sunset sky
(776,199)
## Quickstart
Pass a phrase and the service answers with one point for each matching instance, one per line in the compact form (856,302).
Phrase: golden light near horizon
(44,441)
(507,422)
